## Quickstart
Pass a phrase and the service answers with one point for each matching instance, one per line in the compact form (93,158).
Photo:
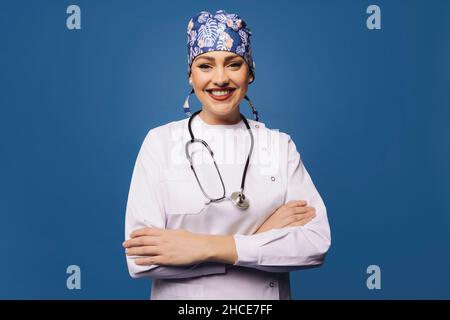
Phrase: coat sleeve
(145,209)
(291,248)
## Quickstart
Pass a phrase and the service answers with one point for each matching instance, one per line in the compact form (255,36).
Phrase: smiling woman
(220,81)
(227,247)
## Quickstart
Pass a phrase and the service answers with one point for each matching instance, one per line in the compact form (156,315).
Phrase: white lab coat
(165,194)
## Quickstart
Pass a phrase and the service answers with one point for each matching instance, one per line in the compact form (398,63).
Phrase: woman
(202,223)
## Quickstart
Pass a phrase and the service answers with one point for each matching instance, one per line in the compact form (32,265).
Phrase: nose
(220,77)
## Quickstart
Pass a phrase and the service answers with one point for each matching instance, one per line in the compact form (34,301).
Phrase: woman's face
(220,80)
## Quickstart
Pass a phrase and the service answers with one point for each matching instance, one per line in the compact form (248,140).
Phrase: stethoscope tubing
(240,195)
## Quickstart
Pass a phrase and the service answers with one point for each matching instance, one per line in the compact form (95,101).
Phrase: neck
(215,120)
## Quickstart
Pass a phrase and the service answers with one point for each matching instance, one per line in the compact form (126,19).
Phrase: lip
(221,98)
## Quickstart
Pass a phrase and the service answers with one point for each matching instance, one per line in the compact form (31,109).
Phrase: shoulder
(280,142)
(272,133)
(274,144)
(163,132)
(168,127)
(158,142)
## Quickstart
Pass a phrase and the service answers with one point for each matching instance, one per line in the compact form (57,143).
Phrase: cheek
(200,79)
(241,79)
(243,85)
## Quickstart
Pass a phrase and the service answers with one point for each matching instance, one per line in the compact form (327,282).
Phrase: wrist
(220,248)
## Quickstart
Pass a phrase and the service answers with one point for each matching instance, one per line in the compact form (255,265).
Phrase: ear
(250,80)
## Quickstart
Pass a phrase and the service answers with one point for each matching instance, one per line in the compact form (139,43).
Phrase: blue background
(368,110)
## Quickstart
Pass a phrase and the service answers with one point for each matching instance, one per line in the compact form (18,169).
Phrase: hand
(293,213)
(165,247)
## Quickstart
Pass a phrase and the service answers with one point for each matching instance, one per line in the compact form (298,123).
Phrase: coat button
(272,178)
(271,284)
(256,126)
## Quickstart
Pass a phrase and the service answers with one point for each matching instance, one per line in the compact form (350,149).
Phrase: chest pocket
(182,194)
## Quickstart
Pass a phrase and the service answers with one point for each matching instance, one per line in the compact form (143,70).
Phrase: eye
(236,64)
(204,66)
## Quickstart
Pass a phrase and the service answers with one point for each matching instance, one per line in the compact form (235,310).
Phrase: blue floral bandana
(219,32)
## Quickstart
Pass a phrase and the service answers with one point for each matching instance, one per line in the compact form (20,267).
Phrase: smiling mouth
(221,94)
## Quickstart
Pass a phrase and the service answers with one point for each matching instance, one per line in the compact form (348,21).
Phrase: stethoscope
(238,198)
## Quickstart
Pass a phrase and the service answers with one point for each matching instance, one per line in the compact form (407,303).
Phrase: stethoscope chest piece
(239,200)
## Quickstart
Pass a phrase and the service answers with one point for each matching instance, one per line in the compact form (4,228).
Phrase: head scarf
(221,31)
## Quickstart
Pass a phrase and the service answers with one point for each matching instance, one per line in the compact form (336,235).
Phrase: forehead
(217,56)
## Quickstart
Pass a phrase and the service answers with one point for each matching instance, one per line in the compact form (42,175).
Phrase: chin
(221,110)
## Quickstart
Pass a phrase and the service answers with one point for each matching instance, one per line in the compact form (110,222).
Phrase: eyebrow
(227,58)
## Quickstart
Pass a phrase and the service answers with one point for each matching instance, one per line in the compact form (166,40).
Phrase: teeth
(220,93)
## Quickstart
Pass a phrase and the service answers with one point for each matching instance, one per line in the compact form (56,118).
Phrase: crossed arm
(155,246)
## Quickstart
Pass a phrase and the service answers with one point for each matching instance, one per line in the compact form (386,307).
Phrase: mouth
(220,94)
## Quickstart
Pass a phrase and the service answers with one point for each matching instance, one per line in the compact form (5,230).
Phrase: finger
(308,215)
(138,232)
(306,221)
(296,203)
(299,210)
(311,213)
(142,251)
(305,217)
(147,261)
(295,218)
(144,232)
(290,211)
(300,223)
(140,241)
